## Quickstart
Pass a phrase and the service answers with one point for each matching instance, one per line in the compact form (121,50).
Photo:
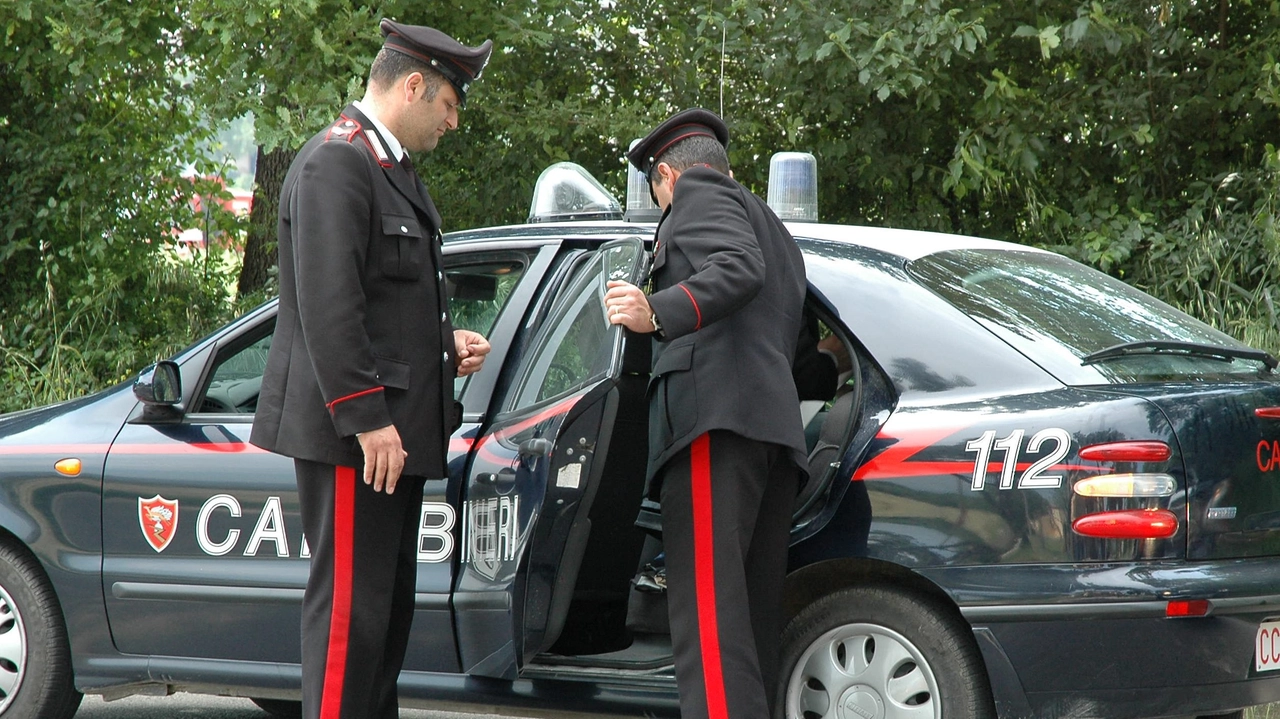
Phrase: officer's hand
(838,351)
(470,348)
(626,305)
(383,457)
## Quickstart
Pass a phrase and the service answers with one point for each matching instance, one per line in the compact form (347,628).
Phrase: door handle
(536,447)
(506,475)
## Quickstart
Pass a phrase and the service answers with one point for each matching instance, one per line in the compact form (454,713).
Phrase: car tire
(882,650)
(35,658)
(280,708)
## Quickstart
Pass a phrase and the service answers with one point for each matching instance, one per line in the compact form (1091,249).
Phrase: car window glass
(478,287)
(576,345)
(1057,311)
(236,379)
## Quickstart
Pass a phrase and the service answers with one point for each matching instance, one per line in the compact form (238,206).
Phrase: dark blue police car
(1038,493)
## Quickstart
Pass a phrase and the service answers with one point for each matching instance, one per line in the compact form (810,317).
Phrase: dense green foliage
(1137,136)
(92,121)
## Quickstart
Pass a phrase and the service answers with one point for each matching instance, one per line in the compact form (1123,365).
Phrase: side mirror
(159,384)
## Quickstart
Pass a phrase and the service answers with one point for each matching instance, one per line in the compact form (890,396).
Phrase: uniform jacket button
(446,356)
(404,229)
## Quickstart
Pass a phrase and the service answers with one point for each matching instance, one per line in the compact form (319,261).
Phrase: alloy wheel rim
(863,671)
(13,650)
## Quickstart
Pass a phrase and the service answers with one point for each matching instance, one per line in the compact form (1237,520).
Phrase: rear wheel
(280,708)
(880,652)
(35,659)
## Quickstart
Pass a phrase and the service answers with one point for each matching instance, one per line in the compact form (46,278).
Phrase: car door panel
(534,470)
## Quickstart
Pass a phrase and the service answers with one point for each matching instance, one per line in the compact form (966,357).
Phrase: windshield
(1059,312)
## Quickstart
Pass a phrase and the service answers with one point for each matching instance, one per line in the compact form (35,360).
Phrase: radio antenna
(724,33)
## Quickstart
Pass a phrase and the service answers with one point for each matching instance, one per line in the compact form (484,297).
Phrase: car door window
(236,378)
(479,286)
(575,347)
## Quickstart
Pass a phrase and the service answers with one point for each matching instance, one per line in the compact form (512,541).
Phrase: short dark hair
(390,66)
(696,150)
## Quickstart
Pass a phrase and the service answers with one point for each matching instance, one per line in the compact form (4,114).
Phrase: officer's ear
(411,85)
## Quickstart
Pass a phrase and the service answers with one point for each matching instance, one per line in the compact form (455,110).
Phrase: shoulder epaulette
(350,130)
(344,129)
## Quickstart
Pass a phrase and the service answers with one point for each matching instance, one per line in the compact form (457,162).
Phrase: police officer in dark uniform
(726,445)
(359,381)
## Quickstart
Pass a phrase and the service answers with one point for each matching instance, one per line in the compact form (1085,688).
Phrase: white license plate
(1266,652)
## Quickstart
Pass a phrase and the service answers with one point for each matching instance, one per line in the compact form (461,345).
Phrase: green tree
(93,119)
(1130,134)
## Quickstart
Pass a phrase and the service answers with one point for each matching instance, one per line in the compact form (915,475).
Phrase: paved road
(195,706)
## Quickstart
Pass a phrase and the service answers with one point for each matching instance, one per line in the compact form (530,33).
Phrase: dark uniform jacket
(728,290)
(362,337)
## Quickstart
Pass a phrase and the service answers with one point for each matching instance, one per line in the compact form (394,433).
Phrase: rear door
(536,468)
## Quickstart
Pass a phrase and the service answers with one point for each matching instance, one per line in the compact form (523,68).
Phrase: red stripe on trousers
(704,567)
(344,511)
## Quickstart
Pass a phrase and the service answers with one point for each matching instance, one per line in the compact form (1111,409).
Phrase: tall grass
(54,349)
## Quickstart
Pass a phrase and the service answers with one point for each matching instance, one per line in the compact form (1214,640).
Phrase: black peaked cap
(691,122)
(460,65)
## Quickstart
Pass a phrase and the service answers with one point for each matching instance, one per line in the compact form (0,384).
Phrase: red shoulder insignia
(344,129)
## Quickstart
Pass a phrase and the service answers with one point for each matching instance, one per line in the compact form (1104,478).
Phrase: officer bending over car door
(726,445)
(358,387)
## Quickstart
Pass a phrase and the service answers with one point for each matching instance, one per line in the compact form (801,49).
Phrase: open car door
(536,469)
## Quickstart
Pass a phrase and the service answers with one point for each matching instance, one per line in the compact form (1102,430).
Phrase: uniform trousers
(726,518)
(359,600)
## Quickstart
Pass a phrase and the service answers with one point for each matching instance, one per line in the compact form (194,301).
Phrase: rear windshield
(1059,312)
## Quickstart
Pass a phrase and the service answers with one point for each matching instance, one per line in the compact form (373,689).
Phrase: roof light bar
(1126,485)
(1128,524)
(565,192)
(1129,451)
(793,186)
(640,205)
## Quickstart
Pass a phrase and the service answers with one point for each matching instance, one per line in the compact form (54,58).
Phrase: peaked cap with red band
(460,65)
(689,123)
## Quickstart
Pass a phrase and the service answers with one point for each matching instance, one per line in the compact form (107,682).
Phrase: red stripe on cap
(695,306)
(427,58)
(697,130)
(335,670)
(352,396)
(705,582)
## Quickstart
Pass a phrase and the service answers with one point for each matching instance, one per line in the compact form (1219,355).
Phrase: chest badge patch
(158,518)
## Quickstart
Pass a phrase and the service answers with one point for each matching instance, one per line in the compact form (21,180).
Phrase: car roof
(907,244)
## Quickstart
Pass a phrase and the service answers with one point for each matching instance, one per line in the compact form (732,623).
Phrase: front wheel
(35,659)
(881,652)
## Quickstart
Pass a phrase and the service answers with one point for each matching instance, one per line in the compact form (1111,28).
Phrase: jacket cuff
(677,310)
(359,412)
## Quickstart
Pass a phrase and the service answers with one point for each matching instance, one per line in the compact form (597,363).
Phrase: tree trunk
(260,253)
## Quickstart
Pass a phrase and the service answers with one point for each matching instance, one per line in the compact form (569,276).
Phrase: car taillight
(1126,485)
(1185,608)
(1128,524)
(1133,451)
